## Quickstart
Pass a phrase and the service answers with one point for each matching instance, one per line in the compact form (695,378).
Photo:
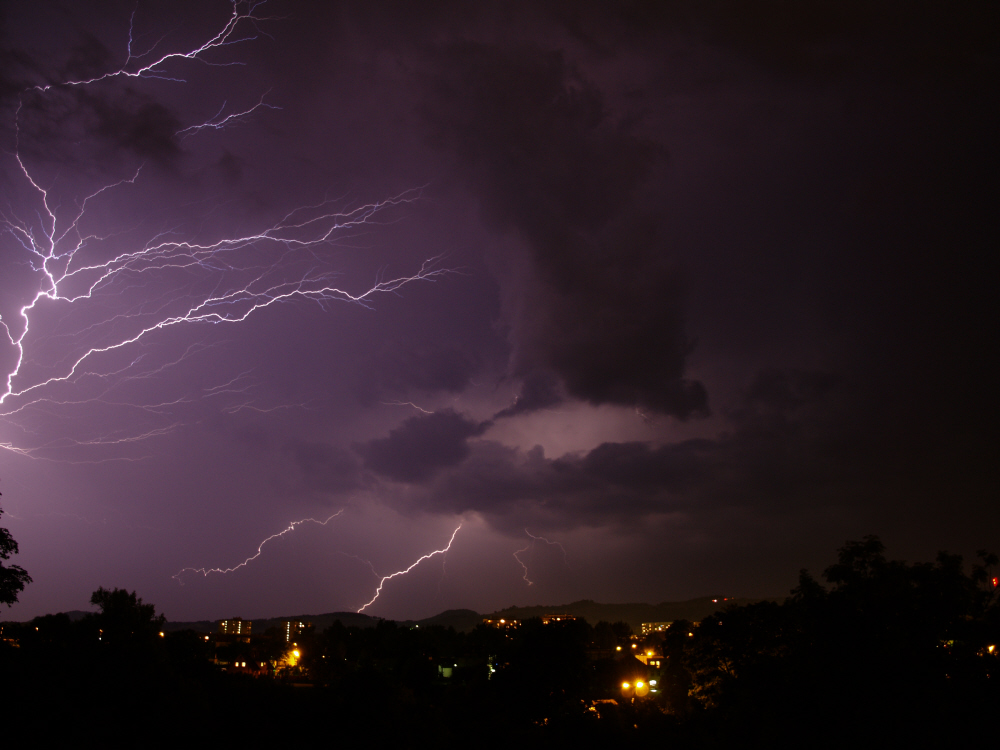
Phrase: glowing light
(389,577)
(260,549)
(531,545)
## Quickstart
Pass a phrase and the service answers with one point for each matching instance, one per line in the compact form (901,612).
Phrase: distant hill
(77,614)
(464,620)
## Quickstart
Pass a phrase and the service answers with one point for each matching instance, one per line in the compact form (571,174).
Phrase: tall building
(290,629)
(655,627)
(546,619)
(235,626)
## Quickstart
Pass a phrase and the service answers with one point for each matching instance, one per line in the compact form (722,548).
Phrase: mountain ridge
(464,620)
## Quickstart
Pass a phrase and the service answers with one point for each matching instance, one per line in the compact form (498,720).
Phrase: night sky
(693,292)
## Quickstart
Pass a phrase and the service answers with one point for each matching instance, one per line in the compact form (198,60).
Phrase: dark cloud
(421,446)
(539,390)
(99,132)
(781,454)
(603,310)
(138,124)
(670,468)
(90,58)
(615,483)
(398,370)
(788,389)
(91,127)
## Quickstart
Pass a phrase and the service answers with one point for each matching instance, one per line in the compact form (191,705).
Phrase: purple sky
(692,291)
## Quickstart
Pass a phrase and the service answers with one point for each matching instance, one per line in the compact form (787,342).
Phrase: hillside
(464,620)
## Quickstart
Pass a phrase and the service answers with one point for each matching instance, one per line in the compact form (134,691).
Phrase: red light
(996,581)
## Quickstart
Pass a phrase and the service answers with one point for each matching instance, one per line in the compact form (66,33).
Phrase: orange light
(625,686)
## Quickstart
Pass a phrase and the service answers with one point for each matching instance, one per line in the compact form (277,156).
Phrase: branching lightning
(91,325)
(260,549)
(530,546)
(244,13)
(442,551)
(88,329)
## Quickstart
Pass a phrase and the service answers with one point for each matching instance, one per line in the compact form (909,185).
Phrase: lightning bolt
(530,545)
(406,403)
(260,549)
(159,283)
(389,577)
(243,15)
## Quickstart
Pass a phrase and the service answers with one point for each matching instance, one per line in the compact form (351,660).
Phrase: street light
(640,689)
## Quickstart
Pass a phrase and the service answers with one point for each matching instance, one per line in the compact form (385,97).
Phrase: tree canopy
(124,618)
(909,648)
(13,578)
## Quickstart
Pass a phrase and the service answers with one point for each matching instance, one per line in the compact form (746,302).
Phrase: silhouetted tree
(903,650)
(13,578)
(124,621)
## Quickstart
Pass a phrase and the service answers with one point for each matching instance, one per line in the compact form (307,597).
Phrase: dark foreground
(885,653)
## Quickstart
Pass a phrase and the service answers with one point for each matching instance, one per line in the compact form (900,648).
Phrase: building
(235,626)
(655,627)
(651,658)
(502,623)
(546,619)
(290,629)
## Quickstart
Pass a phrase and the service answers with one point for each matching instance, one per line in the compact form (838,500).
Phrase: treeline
(883,652)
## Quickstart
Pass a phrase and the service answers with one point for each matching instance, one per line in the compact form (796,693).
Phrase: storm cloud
(421,446)
(603,308)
